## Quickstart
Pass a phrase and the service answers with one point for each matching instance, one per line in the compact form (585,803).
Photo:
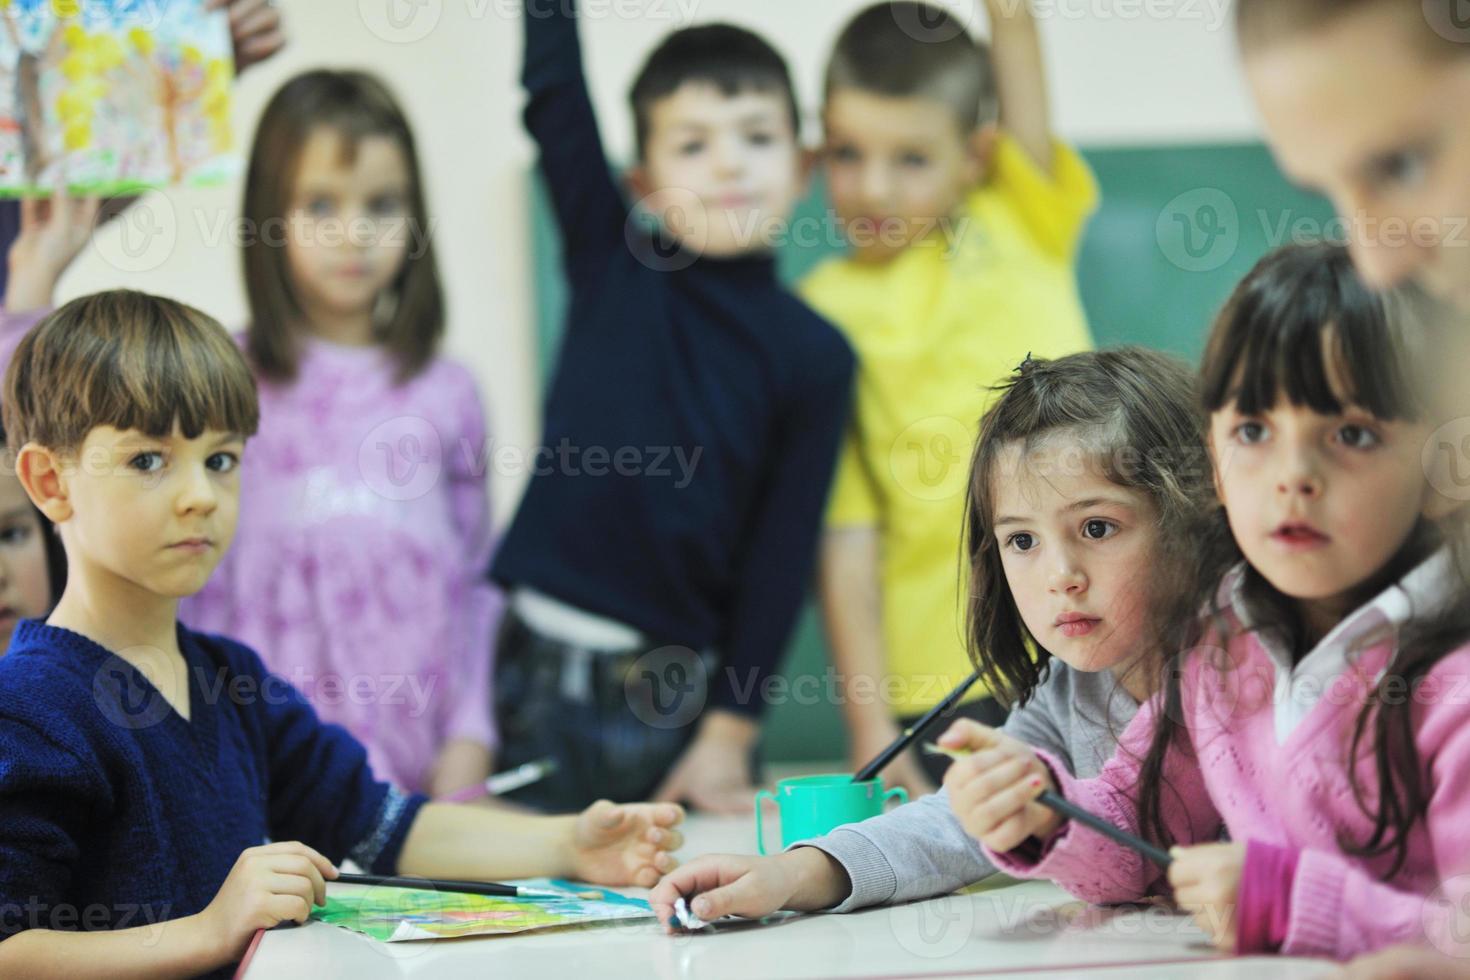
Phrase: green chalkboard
(1178,227)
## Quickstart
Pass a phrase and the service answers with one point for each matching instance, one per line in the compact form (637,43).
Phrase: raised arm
(559,116)
(1020,78)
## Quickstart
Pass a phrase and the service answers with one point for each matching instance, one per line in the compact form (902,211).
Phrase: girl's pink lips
(1076,624)
(192,545)
(1299,536)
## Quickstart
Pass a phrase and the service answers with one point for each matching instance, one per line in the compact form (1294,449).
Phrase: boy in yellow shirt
(964,214)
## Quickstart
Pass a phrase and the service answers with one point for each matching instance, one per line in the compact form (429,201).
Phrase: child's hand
(625,843)
(753,887)
(713,773)
(53,232)
(255,29)
(1206,881)
(993,786)
(267,886)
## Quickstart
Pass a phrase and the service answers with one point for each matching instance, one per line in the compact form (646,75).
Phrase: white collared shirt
(1300,687)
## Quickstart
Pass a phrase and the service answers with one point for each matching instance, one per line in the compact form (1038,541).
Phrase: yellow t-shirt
(933,329)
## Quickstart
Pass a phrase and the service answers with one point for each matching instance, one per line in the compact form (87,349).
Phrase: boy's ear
(40,472)
(980,147)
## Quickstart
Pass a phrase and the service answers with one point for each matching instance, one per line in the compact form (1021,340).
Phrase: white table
(996,929)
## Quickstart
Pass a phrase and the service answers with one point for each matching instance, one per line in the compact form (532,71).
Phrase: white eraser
(685,917)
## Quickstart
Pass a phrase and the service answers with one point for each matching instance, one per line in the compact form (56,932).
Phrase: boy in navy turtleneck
(662,550)
(162,796)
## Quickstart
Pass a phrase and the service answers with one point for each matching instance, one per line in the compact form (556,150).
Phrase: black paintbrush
(915,731)
(1066,808)
(463,887)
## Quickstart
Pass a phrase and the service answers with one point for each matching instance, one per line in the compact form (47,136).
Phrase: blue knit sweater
(116,812)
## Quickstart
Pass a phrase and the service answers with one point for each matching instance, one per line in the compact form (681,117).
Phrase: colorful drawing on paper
(113,96)
(394,915)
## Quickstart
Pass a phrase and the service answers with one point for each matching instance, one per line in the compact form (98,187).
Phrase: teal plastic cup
(810,806)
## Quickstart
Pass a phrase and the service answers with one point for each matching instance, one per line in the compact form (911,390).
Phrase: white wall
(1123,71)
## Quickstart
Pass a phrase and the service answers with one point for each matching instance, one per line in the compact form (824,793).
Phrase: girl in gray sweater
(1090,527)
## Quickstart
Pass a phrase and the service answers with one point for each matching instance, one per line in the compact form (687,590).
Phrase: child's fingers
(668,814)
(282,908)
(607,815)
(739,897)
(666,840)
(965,733)
(326,867)
(285,883)
(1005,803)
(1002,777)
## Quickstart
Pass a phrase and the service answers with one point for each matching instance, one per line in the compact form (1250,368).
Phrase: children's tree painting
(113,96)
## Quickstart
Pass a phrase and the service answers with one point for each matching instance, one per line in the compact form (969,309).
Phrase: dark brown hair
(1134,412)
(355,105)
(731,58)
(131,361)
(1299,319)
(903,49)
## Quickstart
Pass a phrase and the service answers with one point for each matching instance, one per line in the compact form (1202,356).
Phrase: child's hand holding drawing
(993,785)
(268,885)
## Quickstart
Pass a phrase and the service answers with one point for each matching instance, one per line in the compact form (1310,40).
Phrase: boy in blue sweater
(150,774)
(660,555)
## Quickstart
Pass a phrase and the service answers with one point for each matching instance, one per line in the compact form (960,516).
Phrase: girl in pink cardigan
(1324,724)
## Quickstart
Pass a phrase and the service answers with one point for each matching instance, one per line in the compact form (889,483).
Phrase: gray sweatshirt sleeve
(920,850)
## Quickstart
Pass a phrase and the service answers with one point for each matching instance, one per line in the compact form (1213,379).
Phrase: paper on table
(400,914)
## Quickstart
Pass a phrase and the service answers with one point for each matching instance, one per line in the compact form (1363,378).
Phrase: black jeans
(614,723)
(987,711)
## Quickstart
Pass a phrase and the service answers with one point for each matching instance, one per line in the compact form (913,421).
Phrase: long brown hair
(1134,410)
(355,105)
(1299,319)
